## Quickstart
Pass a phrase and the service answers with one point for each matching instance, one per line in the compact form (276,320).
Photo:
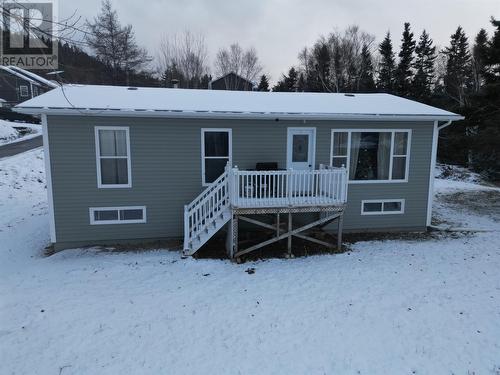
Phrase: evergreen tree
(424,68)
(115,44)
(301,83)
(403,75)
(366,82)
(288,83)
(263,84)
(479,58)
(458,76)
(385,80)
(486,115)
(492,68)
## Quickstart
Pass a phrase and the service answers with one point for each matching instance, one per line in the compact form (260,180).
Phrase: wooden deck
(236,195)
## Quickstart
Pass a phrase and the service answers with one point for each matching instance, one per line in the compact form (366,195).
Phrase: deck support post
(289,240)
(339,232)
(234,234)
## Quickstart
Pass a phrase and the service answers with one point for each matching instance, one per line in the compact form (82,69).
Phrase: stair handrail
(211,201)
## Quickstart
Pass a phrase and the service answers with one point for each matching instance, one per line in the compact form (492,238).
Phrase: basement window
(382,207)
(117,215)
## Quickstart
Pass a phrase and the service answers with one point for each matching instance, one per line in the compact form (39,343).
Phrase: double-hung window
(372,155)
(215,153)
(113,157)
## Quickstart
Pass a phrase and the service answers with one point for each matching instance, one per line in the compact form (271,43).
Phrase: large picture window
(215,153)
(113,157)
(372,155)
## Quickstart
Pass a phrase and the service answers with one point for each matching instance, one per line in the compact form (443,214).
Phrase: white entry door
(301,146)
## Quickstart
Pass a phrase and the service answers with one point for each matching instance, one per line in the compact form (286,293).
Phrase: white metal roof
(162,102)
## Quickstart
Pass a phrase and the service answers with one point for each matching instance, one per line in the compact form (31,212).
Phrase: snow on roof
(34,76)
(19,75)
(162,102)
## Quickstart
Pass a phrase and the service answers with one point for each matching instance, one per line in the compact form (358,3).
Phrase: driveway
(21,146)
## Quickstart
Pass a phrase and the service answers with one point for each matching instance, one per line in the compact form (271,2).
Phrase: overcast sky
(279,29)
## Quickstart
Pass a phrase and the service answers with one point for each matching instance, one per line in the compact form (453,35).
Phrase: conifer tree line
(463,77)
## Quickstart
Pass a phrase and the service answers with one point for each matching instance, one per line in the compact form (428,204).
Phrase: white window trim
(382,201)
(100,185)
(203,157)
(106,222)
(388,181)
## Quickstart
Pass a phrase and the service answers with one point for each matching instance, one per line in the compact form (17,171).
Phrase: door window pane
(216,144)
(214,168)
(300,148)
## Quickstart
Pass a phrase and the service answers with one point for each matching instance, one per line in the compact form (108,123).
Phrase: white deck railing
(326,186)
(205,207)
(253,189)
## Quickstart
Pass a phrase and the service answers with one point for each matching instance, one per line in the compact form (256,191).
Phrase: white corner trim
(123,208)
(382,201)
(203,157)
(430,194)
(48,179)
(100,185)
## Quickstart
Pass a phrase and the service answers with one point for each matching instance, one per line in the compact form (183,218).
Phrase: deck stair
(236,193)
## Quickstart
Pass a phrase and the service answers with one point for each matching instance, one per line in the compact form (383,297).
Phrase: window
(382,207)
(372,155)
(117,215)
(216,151)
(35,91)
(113,157)
(23,91)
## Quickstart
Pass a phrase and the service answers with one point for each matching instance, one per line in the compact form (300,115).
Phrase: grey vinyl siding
(166,172)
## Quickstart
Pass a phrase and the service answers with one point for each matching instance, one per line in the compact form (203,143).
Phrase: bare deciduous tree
(236,60)
(184,58)
(335,62)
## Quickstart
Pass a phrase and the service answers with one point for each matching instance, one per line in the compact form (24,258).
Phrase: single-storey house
(18,85)
(129,164)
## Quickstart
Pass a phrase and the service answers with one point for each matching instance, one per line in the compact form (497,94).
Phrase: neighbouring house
(128,164)
(231,81)
(18,85)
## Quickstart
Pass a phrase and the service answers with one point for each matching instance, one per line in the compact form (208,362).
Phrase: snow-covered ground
(386,307)
(9,133)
